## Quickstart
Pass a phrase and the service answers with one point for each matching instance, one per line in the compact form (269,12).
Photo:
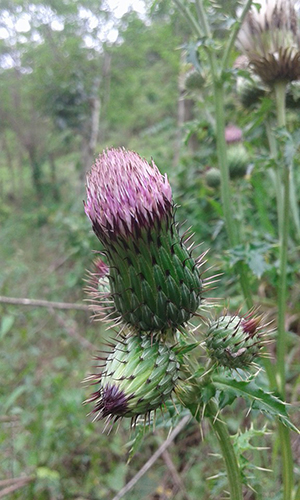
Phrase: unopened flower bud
(139,375)
(213,177)
(234,341)
(238,161)
(251,90)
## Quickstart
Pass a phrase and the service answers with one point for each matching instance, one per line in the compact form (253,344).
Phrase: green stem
(287,461)
(280,88)
(226,196)
(222,159)
(190,18)
(201,28)
(284,433)
(275,175)
(233,35)
(233,472)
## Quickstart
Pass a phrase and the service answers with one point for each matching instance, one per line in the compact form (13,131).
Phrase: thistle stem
(275,175)
(233,34)
(221,432)
(283,242)
(226,197)
(284,434)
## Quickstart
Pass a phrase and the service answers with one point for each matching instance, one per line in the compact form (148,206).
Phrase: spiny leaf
(264,401)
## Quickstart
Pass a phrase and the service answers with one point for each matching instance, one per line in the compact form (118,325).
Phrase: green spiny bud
(238,161)
(293,95)
(139,375)
(234,341)
(250,90)
(194,80)
(213,177)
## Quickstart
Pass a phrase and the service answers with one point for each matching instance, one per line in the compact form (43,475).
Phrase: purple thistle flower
(233,134)
(123,191)
(154,282)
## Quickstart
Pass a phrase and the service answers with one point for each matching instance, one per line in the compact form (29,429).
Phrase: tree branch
(43,303)
(14,484)
(153,459)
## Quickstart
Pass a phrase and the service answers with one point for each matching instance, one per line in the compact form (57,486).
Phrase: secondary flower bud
(234,341)
(154,281)
(139,375)
(238,160)
(213,177)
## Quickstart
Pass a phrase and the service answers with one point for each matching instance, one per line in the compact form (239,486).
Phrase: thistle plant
(268,35)
(149,286)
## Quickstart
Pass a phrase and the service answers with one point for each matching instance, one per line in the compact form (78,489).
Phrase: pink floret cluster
(123,189)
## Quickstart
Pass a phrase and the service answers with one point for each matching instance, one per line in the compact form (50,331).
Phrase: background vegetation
(74,79)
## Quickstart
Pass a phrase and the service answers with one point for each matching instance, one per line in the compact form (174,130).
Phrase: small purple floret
(111,401)
(123,189)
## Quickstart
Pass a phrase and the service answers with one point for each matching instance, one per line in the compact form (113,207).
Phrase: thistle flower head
(233,134)
(270,38)
(139,375)
(123,191)
(154,282)
(235,341)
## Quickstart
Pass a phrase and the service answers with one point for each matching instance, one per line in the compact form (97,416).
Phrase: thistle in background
(155,283)
(238,160)
(269,37)
(138,376)
(213,177)
(233,134)
(237,156)
(235,341)
(249,87)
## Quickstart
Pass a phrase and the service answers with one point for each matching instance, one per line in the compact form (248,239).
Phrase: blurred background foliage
(74,79)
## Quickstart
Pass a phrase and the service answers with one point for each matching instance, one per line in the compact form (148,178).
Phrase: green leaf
(264,401)
(226,399)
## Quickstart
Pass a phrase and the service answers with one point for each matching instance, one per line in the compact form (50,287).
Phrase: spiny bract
(139,375)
